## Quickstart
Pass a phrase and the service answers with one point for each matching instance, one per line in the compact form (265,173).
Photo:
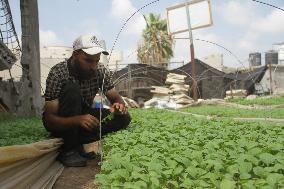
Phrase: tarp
(31,166)
(213,83)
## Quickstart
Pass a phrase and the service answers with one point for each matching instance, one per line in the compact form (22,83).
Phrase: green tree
(157,43)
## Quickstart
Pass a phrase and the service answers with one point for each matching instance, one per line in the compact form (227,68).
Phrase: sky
(241,26)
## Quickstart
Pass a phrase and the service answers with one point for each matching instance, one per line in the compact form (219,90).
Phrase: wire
(117,36)
(100,143)
(269,5)
(114,44)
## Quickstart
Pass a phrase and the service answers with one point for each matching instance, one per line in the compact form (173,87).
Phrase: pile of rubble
(173,95)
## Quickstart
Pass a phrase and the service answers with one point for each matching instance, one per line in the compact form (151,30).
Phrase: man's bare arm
(57,123)
(116,101)
(114,97)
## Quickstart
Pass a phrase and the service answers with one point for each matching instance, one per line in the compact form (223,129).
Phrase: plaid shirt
(59,75)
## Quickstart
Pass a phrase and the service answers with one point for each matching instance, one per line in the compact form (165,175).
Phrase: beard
(81,73)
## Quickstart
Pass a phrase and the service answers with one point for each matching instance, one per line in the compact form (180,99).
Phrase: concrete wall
(46,64)
(277,72)
(281,55)
(55,52)
(214,60)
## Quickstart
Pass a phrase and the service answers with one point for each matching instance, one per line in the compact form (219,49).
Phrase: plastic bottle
(98,101)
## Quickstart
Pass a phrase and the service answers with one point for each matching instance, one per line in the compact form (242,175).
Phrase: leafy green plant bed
(162,149)
(222,111)
(260,101)
(17,130)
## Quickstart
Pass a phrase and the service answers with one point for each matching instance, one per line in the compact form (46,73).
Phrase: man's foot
(87,155)
(71,159)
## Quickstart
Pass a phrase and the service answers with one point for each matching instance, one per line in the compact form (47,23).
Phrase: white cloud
(136,26)
(260,29)
(48,38)
(122,10)
(90,26)
(249,41)
(87,26)
(237,13)
(256,28)
(241,13)
(269,24)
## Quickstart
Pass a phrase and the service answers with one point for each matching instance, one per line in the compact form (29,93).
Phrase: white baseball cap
(89,44)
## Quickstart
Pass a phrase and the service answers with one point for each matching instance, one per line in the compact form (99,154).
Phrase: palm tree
(157,43)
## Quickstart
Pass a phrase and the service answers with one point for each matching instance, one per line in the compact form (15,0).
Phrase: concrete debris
(130,102)
(240,93)
(251,97)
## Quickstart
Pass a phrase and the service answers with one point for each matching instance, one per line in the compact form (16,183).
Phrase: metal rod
(129,83)
(270,78)
(191,52)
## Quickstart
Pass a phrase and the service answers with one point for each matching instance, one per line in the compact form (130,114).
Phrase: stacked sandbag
(175,79)
(159,91)
(179,88)
(240,93)
(182,99)
(176,83)
(173,95)
(160,95)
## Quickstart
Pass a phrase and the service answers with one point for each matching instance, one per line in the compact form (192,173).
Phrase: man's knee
(125,120)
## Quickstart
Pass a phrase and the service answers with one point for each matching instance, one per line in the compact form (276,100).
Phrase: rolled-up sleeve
(53,86)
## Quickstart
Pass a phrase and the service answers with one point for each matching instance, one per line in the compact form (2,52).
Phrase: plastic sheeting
(31,166)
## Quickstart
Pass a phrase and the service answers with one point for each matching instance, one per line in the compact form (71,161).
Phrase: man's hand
(88,121)
(118,108)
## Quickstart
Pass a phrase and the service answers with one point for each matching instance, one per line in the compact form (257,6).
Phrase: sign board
(200,16)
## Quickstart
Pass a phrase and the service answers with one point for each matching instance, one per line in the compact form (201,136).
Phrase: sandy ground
(79,177)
